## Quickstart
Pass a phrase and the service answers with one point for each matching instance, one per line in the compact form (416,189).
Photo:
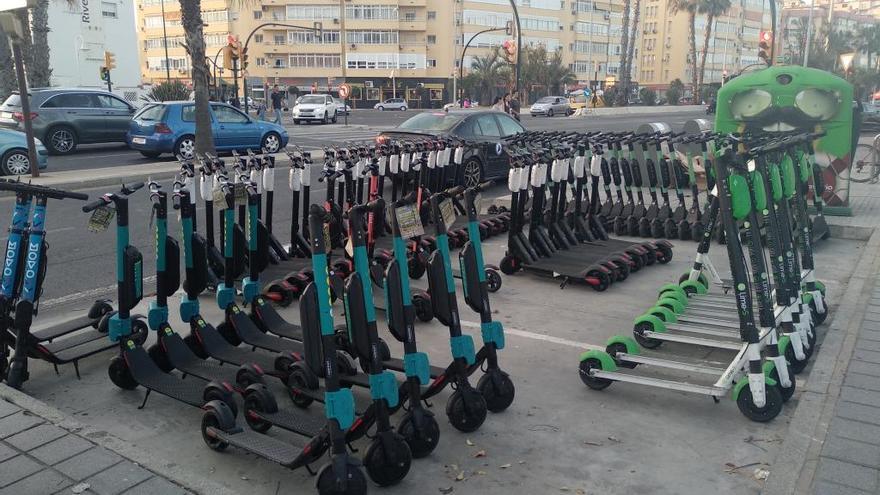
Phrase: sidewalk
(43,451)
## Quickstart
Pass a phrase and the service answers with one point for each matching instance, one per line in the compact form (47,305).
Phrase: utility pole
(13,28)
(165,42)
(809,40)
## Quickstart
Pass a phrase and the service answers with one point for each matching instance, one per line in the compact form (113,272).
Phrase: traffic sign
(344,90)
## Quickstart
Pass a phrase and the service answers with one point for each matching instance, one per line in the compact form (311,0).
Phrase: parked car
(341,107)
(170,127)
(14,153)
(550,106)
(487,161)
(66,118)
(392,104)
(315,108)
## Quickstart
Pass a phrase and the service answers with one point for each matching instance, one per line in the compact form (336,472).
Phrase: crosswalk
(312,137)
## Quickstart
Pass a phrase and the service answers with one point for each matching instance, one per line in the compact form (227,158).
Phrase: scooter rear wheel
(356,484)
(380,468)
(218,419)
(508,265)
(424,310)
(589,380)
(493,280)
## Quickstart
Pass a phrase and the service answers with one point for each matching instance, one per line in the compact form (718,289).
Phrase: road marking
(86,294)
(538,336)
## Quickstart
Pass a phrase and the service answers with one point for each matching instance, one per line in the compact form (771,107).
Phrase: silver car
(550,106)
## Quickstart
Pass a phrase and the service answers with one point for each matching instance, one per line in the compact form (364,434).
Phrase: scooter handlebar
(38,190)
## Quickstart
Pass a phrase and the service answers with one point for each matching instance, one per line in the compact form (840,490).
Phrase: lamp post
(518,45)
(464,50)
(165,42)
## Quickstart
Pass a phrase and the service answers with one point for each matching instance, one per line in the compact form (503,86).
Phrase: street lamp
(464,50)
(165,42)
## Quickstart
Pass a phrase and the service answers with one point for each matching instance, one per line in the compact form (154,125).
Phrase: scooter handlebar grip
(94,205)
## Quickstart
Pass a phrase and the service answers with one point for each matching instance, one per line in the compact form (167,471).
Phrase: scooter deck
(298,423)
(218,348)
(148,375)
(64,351)
(267,317)
(64,328)
(285,268)
(183,359)
(250,334)
(265,446)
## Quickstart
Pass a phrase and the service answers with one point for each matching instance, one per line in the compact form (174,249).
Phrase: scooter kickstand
(146,396)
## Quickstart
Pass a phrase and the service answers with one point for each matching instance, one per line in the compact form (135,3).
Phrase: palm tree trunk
(191,18)
(8,82)
(702,72)
(27,46)
(632,47)
(692,39)
(624,42)
(39,70)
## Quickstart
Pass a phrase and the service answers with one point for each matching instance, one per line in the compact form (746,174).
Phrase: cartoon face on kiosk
(782,99)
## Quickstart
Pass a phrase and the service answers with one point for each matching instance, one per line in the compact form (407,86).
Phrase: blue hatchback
(170,127)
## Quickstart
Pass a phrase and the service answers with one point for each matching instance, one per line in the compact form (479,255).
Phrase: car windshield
(312,100)
(14,100)
(547,99)
(431,121)
(151,112)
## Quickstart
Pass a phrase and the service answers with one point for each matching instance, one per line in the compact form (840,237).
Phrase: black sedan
(488,161)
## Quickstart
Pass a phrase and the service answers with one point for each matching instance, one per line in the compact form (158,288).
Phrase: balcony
(412,24)
(412,3)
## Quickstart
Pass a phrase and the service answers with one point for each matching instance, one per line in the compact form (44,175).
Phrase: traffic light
(109,60)
(508,28)
(509,47)
(765,44)
(242,57)
(105,74)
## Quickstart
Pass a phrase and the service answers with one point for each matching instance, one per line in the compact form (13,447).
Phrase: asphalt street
(364,125)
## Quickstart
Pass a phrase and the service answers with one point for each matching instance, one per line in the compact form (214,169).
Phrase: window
(258,14)
(151,113)
(487,126)
(278,39)
(371,37)
(108,9)
(71,100)
(432,39)
(258,38)
(312,12)
(431,62)
(370,12)
(373,94)
(153,21)
(261,61)
(316,60)
(188,113)
(432,15)
(310,38)
(228,115)
(113,103)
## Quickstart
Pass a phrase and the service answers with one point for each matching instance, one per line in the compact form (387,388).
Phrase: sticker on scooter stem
(241,196)
(218,196)
(409,222)
(101,218)
(448,212)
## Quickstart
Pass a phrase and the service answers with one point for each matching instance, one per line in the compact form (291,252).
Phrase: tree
(648,97)
(689,7)
(39,71)
(486,72)
(193,27)
(868,41)
(167,91)
(675,91)
(543,72)
(557,74)
(7,71)
(621,97)
(712,9)
(628,75)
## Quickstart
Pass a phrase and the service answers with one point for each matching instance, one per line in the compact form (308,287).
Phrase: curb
(184,478)
(793,469)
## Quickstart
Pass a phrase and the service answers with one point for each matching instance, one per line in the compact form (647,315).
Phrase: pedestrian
(513,106)
(467,103)
(261,109)
(498,104)
(277,104)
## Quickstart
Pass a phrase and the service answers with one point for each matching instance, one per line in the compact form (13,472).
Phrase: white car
(392,104)
(316,108)
(341,107)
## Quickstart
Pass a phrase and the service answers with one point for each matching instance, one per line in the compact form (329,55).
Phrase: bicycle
(866,163)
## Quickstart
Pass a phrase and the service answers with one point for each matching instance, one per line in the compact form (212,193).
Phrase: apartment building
(843,18)
(733,44)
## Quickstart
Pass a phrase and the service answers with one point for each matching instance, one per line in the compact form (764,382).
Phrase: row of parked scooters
(758,189)
(316,360)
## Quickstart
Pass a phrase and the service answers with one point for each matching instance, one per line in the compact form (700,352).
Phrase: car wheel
(15,162)
(334,118)
(295,122)
(402,109)
(271,142)
(61,140)
(151,154)
(550,112)
(471,172)
(186,147)
(381,108)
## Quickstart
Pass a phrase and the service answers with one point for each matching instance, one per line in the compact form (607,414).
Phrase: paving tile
(156,486)
(867,356)
(847,474)
(825,488)
(61,449)
(853,451)
(855,430)
(858,412)
(45,481)
(861,381)
(117,479)
(872,317)
(85,464)
(7,408)
(18,467)
(36,436)
(864,368)
(868,345)
(860,396)
(6,452)
(17,423)
(870,331)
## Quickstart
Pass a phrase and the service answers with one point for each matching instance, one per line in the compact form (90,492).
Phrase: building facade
(79,34)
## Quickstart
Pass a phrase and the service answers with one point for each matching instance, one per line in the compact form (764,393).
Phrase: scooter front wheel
(355,482)
(120,375)
(497,389)
(771,408)
(786,392)
(388,468)
(466,409)
(422,439)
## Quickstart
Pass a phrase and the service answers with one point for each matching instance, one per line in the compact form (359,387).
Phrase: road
(81,262)
(363,126)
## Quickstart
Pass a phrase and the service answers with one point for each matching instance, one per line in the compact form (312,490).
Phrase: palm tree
(690,7)
(39,71)
(628,74)
(486,72)
(868,41)
(622,98)
(712,9)
(7,72)
(193,27)
(556,74)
